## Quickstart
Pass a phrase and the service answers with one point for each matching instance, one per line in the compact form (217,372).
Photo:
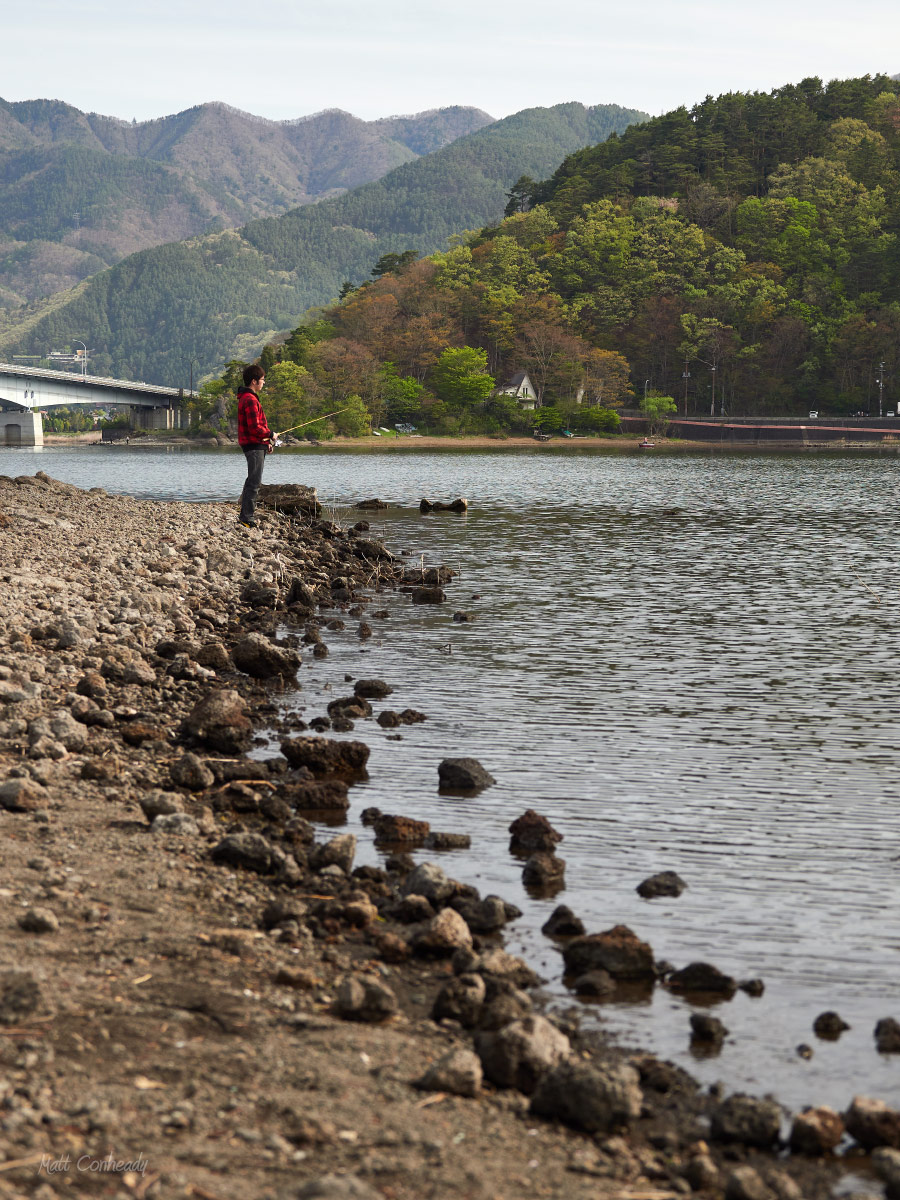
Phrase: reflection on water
(686,663)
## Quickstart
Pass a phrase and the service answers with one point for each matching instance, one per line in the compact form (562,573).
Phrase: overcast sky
(287,58)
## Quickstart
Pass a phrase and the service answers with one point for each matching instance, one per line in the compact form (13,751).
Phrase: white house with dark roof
(521,387)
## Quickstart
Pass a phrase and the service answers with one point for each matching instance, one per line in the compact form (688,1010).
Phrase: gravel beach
(201,995)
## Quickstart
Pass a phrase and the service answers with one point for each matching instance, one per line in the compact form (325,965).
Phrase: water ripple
(687,663)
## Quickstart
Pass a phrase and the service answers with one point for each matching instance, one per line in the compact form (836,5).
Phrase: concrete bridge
(26,390)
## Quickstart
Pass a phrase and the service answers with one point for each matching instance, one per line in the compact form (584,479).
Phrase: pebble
(177,823)
(458,1072)
(39,920)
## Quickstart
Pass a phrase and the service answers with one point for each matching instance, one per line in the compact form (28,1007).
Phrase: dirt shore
(200,995)
(624,443)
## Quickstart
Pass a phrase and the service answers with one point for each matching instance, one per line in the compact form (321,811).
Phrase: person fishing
(255,439)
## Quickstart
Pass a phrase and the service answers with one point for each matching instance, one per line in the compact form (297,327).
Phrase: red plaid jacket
(253,428)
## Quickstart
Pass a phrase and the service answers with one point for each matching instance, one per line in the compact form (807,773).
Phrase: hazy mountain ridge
(103,188)
(211,297)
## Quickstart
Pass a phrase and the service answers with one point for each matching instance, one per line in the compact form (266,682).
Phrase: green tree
(656,409)
(355,420)
(285,395)
(519,196)
(390,264)
(402,397)
(549,419)
(460,377)
(595,419)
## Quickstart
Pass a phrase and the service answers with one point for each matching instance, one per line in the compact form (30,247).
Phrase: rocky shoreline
(202,996)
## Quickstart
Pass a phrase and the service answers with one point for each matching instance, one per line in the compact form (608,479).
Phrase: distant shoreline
(624,444)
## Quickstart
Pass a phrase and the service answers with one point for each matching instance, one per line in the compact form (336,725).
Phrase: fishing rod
(323,417)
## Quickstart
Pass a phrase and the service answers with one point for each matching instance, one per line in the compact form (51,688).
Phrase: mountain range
(80,191)
(207,299)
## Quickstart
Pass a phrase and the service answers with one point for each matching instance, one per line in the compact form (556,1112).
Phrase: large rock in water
(872,1123)
(293,498)
(219,721)
(324,756)
(262,658)
(531,832)
(464,775)
(702,977)
(816,1131)
(618,951)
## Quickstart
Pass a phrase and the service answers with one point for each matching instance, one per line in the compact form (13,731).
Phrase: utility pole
(712,407)
(686,376)
(880,389)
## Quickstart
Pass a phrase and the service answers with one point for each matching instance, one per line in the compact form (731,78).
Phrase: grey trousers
(256,460)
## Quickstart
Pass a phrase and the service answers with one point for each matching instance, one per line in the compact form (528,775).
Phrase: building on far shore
(520,387)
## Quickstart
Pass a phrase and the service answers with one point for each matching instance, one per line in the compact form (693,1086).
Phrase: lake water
(681,662)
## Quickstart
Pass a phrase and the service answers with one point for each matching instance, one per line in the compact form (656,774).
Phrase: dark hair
(253,371)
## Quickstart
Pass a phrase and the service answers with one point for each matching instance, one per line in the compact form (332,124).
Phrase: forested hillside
(791,201)
(79,191)
(741,257)
(218,297)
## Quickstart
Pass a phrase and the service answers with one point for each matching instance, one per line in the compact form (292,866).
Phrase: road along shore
(201,995)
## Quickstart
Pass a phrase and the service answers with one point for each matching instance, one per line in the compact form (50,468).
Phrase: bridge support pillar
(157,419)
(21,429)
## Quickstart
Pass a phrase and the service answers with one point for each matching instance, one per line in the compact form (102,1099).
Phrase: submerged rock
(829,1026)
(532,832)
(323,756)
(618,951)
(463,774)
(372,689)
(459,505)
(448,841)
(708,1029)
(562,923)
(390,828)
(666,883)
(329,795)
(702,977)
(544,871)
(428,595)
(887,1036)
